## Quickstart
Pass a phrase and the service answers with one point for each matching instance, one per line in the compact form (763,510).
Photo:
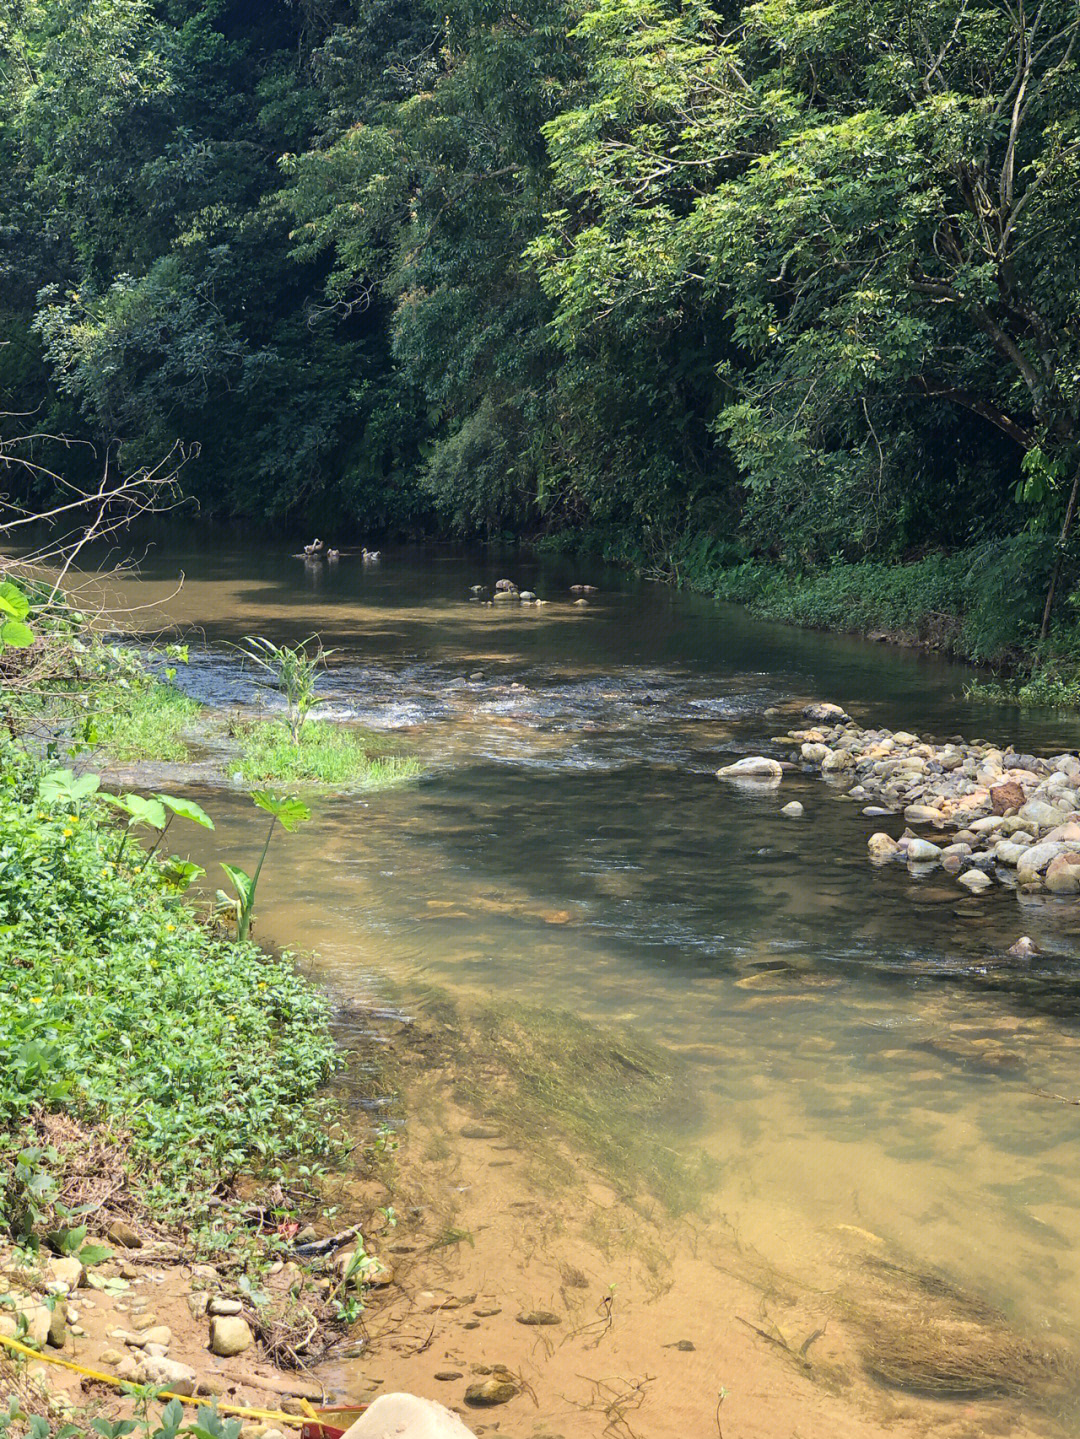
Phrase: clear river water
(764,1121)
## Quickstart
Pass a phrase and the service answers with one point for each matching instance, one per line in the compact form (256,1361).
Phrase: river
(729,1086)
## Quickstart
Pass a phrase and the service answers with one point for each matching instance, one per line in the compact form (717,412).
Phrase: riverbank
(165,1126)
(983,604)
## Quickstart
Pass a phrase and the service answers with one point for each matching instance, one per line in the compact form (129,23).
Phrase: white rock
(921,850)
(794,810)
(407,1416)
(975,880)
(753,767)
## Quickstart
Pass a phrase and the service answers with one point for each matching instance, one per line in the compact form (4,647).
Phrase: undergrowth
(118,1008)
(326,753)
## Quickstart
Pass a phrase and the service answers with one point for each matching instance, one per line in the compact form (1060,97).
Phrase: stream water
(854,1062)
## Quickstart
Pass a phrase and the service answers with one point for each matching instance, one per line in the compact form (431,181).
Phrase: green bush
(117,1007)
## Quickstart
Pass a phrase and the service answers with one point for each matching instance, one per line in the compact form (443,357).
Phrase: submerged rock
(794,810)
(485,1393)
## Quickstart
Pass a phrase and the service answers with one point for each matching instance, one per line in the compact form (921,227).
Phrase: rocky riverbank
(1014,819)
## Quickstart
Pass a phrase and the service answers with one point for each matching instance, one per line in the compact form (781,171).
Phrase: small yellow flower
(37,1001)
(170,926)
(262,983)
(68,833)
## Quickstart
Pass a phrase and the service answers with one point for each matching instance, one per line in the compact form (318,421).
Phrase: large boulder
(404,1416)
(882,846)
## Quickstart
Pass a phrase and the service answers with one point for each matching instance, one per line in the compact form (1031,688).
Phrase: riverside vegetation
(779,300)
(159,1071)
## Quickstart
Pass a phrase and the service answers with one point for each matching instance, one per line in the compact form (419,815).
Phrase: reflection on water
(866,1064)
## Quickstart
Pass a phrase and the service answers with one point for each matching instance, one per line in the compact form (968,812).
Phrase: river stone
(1006,796)
(123,1234)
(57,1335)
(112,1357)
(485,1393)
(1034,860)
(1024,948)
(68,1271)
(1008,852)
(953,863)
(794,810)
(882,846)
(921,851)
(409,1417)
(177,1378)
(538,1316)
(1063,874)
(837,761)
(753,767)
(975,880)
(1068,833)
(813,752)
(902,737)
(225,1306)
(923,814)
(823,713)
(230,1335)
(1039,812)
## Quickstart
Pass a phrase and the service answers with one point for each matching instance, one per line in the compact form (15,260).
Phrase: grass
(327,753)
(199,1056)
(143,719)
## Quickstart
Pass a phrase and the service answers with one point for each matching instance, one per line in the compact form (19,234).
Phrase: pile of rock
(1016,817)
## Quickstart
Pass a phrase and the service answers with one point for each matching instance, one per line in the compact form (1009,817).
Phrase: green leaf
(180,873)
(91,1254)
(63,785)
(12,601)
(16,634)
(139,809)
(186,809)
(289,812)
(243,883)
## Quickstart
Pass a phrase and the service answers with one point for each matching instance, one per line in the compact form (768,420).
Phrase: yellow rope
(291,1419)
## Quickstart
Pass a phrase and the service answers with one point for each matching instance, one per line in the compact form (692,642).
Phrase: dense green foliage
(117,1007)
(803,277)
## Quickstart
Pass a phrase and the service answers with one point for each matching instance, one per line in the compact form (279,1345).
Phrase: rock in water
(496,1390)
(1024,948)
(825,712)
(753,767)
(794,810)
(921,850)
(538,1316)
(882,846)
(230,1335)
(975,881)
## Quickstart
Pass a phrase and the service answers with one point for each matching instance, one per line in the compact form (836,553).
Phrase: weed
(327,753)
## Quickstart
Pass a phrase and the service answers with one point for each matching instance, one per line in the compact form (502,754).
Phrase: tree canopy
(803,279)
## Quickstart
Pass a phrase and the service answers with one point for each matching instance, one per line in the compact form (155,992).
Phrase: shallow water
(862,1058)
